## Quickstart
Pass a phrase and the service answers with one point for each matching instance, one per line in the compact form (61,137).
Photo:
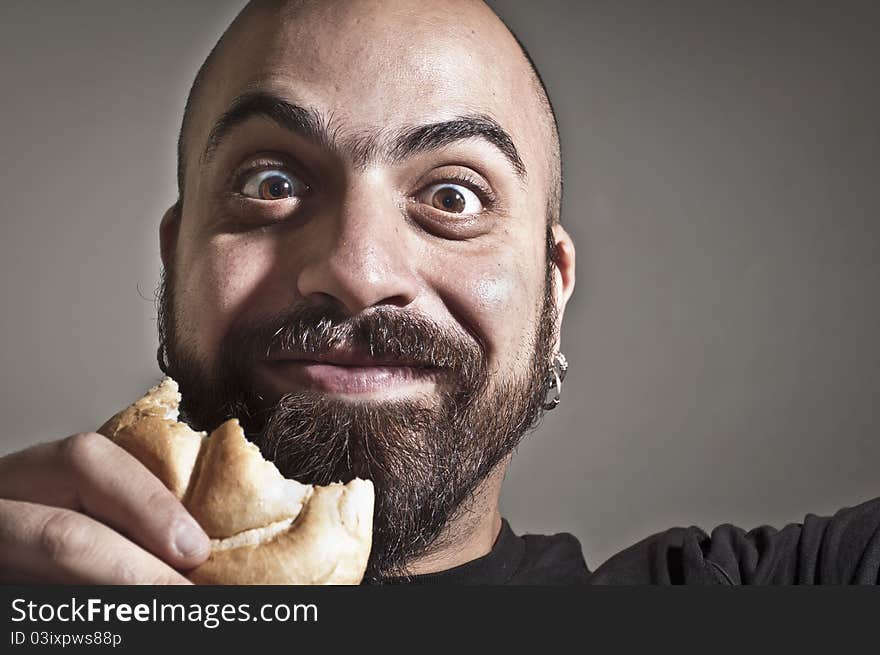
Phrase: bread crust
(264,528)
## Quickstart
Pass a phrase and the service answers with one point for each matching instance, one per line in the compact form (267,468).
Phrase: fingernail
(190,540)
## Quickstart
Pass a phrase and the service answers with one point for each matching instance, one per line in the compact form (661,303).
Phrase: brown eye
(453,198)
(449,200)
(275,188)
(272,185)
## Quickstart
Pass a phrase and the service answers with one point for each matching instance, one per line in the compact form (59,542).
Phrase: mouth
(344,372)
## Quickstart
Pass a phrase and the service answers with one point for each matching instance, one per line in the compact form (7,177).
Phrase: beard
(426,460)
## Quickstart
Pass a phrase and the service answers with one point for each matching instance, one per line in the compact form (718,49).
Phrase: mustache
(389,334)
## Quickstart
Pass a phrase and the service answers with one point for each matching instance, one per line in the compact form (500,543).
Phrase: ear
(564,273)
(169,228)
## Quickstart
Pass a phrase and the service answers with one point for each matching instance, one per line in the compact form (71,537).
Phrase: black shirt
(840,549)
(529,559)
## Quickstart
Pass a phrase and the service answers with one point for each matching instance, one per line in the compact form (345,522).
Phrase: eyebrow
(396,147)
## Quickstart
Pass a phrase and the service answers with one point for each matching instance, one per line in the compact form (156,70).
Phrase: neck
(470,534)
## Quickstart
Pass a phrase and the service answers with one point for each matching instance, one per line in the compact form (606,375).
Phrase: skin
(366,236)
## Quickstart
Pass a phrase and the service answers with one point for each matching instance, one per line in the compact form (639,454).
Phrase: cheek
(498,301)
(495,296)
(216,289)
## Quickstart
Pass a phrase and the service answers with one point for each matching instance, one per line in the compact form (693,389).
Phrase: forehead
(374,67)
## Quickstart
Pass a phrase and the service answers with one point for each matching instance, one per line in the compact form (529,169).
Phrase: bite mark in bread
(264,528)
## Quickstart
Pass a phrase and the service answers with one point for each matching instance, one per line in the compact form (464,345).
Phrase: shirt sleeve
(840,549)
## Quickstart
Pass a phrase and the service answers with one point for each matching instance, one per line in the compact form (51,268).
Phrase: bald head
(467,36)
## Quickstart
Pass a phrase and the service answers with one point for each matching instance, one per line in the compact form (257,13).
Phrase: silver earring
(553,385)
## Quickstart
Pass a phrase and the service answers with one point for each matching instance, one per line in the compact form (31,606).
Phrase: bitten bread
(264,528)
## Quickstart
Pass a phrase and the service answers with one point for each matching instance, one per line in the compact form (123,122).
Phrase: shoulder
(839,549)
(664,558)
(555,559)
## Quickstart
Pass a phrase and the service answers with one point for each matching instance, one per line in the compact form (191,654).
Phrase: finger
(34,474)
(88,473)
(48,544)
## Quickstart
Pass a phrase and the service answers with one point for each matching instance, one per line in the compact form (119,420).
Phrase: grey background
(721,171)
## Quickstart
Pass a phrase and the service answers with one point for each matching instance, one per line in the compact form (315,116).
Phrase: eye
(452,198)
(272,184)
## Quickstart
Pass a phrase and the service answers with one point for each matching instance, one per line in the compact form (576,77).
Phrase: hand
(81,510)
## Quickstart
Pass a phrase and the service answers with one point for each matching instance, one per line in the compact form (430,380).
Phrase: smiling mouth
(349,373)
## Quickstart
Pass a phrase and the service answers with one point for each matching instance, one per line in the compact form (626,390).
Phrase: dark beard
(425,460)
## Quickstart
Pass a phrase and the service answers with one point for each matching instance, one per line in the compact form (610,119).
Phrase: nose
(360,257)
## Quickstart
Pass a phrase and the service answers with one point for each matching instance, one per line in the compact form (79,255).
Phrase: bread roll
(264,528)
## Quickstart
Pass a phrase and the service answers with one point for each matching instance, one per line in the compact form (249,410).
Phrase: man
(366,265)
